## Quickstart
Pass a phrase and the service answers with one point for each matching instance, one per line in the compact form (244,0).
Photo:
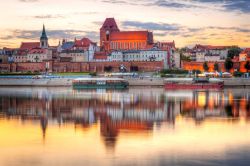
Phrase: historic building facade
(82,50)
(39,55)
(111,38)
(140,55)
(34,51)
(245,55)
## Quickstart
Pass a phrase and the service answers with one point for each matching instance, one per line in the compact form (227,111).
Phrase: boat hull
(194,86)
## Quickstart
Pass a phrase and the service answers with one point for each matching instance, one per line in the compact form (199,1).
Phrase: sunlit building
(245,55)
(140,55)
(111,38)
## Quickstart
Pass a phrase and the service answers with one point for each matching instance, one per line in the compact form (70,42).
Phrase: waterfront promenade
(57,82)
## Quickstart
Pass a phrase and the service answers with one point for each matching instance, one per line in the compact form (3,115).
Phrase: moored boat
(100,83)
(193,83)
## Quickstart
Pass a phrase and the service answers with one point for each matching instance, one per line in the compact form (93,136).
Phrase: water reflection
(136,113)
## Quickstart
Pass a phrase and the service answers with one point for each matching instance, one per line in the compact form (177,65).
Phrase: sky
(187,22)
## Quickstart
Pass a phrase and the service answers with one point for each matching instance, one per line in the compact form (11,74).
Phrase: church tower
(44,39)
(107,28)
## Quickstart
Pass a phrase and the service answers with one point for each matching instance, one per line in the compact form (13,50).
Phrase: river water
(139,126)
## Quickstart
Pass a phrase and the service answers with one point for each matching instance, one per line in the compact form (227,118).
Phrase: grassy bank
(71,74)
(173,72)
(19,74)
(75,74)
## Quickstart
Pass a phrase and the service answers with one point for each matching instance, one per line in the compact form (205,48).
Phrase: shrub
(93,74)
(173,71)
(237,74)
(196,71)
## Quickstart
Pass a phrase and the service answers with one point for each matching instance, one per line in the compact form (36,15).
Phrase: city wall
(199,66)
(80,66)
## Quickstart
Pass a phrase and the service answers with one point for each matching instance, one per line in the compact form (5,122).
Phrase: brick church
(111,38)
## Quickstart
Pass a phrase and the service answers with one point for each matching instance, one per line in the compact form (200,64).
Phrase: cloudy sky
(217,22)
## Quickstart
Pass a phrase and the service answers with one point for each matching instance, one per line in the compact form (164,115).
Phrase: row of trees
(228,65)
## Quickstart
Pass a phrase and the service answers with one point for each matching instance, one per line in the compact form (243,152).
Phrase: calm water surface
(61,126)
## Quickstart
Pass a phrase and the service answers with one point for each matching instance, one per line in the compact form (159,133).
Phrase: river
(139,126)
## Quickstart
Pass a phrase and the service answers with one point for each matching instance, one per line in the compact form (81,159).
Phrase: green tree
(216,66)
(228,64)
(205,66)
(233,51)
(184,58)
(247,66)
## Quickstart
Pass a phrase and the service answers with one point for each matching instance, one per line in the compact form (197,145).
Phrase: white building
(74,55)
(141,55)
(39,55)
(177,59)
(204,53)
(19,58)
(82,50)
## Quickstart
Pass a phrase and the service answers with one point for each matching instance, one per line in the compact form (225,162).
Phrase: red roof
(129,35)
(246,51)
(29,45)
(209,47)
(37,51)
(110,24)
(84,42)
(167,44)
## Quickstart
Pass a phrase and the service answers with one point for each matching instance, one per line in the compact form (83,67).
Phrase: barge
(100,83)
(193,83)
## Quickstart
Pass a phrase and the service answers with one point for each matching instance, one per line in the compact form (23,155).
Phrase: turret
(44,39)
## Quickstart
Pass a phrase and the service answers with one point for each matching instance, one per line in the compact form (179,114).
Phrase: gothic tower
(44,39)
(107,28)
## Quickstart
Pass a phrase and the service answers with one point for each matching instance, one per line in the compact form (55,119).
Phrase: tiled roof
(67,45)
(129,35)
(246,51)
(37,51)
(29,45)
(209,47)
(84,42)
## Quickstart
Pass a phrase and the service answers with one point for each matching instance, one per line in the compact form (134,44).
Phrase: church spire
(44,39)
(44,35)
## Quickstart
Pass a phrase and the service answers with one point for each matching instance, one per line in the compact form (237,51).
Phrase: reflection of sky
(211,143)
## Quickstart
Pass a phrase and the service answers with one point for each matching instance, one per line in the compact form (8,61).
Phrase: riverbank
(57,82)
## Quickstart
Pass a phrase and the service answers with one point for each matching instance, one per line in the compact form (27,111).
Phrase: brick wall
(81,66)
(199,66)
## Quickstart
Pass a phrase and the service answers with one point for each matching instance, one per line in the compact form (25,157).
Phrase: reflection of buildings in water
(110,128)
(203,104)
(44,125)
(136,109)
(122,110)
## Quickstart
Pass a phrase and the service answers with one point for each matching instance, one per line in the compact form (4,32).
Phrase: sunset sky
(217,22)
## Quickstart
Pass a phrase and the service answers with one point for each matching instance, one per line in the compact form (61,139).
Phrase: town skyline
(179,20)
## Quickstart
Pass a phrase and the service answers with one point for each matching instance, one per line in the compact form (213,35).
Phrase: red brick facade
(199,66)
(80,66)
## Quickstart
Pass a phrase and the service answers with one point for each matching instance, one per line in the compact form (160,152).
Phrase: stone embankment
(55,82)
(36,82)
